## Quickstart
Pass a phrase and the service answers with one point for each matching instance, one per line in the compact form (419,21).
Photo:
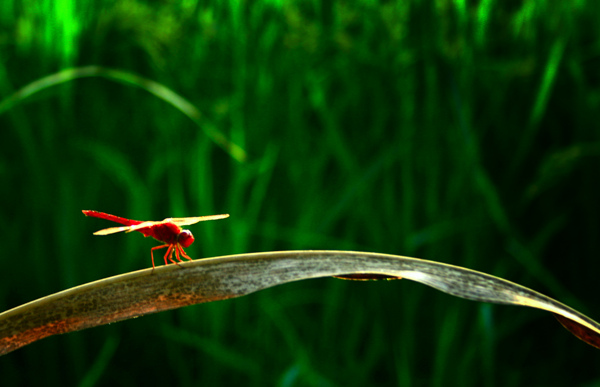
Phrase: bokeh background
(465,132)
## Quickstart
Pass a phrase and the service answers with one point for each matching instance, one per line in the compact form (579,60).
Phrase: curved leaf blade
(212,279)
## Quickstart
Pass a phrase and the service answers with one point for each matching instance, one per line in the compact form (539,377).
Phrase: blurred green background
(465,132)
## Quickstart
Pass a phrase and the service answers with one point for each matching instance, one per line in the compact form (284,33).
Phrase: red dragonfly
(166,231)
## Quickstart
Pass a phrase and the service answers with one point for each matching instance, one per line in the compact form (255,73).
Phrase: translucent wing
(112,230)
(141,225)
(176,221)
(193,220)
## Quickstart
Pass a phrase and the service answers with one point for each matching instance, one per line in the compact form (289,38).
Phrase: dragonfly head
(185,238)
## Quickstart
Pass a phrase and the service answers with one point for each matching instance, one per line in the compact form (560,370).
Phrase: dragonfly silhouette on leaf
(168,231)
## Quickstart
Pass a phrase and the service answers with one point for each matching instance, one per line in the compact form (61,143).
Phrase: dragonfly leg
(170,255)
(152,253)
(183,252)
(176,249)
(177,255)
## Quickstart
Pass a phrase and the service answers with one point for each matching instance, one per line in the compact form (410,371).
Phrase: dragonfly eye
(185,238)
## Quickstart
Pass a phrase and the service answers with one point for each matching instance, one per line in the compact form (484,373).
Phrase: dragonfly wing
(112,230)
(137,227)
(193,220)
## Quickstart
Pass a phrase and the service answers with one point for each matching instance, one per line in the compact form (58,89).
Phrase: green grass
(457,131)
